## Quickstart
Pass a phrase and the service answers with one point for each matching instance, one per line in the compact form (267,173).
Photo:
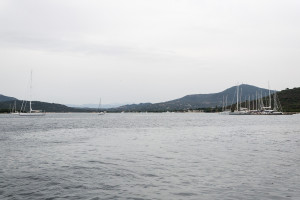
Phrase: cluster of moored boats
(260,106)
(22,111)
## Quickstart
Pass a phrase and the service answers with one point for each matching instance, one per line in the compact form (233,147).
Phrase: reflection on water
(149,156)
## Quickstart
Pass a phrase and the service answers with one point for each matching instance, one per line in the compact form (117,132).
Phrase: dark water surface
(149,156)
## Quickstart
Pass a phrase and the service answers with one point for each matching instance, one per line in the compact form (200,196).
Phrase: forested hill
(290,99)
(38,105)
(6,98)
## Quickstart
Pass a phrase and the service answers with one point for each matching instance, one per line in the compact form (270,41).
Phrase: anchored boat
(31,111)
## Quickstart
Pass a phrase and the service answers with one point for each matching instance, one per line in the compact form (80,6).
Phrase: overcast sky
(145,50)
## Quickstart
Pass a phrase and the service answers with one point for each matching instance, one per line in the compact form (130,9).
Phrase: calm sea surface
(149,156)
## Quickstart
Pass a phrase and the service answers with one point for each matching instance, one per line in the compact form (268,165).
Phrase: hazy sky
(145,50)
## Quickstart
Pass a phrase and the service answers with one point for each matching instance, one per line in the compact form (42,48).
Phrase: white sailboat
(267,110)
(31,111)
(262,108)
(225,111)
(239,109)
(99,109)
(14,109)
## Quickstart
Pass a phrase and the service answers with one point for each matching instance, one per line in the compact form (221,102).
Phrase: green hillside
(6,98)
(38,105)
(290,99)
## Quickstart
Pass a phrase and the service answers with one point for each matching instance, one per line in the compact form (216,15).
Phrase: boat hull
(239,113)
(32,114)
(14,113)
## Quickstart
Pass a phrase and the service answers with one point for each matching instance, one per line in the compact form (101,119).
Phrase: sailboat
(267,110)
(225,111)
(99,109)
(14,109)
(31,111)
(239,109)
(261,107)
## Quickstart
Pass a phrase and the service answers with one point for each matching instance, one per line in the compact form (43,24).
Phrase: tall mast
(249,102)
(270,101)
(265,100)
(241,98)
(237,97)
(223,104)
(261,104)
(30,98)
(275,103)
(252,102)
(256,102)
(99,105)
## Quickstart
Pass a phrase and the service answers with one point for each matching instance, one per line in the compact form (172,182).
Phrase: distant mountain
(6,98)
(94,105)
(197,101)
(38,105)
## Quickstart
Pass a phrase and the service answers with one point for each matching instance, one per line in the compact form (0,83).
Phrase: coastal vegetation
(290,99)
(5,107)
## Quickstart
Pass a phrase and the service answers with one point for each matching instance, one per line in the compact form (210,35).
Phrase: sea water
(149,156)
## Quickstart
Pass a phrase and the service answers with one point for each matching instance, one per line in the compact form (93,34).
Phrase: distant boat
(14,109)
(225,111)
(277,110)
(99,109)
(261,107)
(239,110)
(31,111)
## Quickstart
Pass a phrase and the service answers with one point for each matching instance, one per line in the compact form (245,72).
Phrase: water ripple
(149,156)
